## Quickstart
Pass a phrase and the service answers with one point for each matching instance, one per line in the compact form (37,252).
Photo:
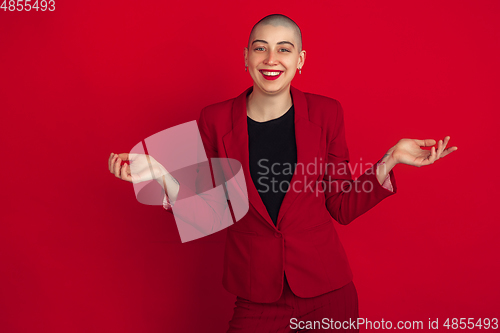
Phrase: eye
(260,48)
(285,50)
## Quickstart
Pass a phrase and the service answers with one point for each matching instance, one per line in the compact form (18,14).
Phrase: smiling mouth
(270,74)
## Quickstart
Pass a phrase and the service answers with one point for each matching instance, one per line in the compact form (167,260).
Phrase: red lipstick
(272,71)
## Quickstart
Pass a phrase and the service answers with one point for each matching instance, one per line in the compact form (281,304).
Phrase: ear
(302,59)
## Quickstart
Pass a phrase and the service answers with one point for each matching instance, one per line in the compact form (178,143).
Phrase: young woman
(283,259)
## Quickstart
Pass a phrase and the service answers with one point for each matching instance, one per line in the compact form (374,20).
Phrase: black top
(273,157)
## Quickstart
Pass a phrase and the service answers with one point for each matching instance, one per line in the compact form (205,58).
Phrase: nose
(271,59)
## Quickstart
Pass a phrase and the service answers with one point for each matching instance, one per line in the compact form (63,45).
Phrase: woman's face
(273,58)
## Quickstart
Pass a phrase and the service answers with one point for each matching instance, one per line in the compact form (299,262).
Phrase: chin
(273,90)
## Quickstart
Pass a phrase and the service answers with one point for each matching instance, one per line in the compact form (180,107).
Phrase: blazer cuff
(166,203)
(390,182)
(387,184)
(380,190)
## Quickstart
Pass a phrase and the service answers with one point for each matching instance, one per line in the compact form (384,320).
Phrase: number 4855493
(28,5)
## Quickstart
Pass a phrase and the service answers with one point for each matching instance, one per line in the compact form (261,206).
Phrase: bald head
(278,20)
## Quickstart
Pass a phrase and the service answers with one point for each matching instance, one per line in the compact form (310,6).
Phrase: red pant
(333,311)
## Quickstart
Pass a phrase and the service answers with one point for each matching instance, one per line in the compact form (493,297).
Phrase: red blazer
(304,243)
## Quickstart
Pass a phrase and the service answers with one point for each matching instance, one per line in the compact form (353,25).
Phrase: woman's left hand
(408,151)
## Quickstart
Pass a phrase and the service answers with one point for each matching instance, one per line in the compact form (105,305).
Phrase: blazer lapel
(307,137)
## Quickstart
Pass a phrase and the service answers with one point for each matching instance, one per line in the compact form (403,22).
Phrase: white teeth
(271,73)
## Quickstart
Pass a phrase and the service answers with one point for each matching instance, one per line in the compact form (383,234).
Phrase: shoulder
(215,120)
(218,109)
(320,103)
(324,110)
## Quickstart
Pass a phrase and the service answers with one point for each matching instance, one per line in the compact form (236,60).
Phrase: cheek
(253,62)
(291,63)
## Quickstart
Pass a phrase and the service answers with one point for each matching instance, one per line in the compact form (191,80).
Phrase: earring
(300,71)
(246,67)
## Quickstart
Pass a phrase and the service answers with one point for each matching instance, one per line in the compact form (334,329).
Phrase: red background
(78,253)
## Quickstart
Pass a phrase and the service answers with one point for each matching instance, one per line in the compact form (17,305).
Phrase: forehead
(272,34)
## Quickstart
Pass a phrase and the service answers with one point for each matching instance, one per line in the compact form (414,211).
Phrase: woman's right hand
(140,168)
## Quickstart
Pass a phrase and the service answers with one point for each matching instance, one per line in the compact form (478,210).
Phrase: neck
(264,107)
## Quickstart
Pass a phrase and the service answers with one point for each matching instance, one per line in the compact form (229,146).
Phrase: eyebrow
(279,43)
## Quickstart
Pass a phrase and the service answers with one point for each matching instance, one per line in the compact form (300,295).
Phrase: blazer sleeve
(204,207)
(346,199)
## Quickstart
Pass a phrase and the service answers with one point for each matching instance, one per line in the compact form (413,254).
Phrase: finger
(124,173)
(124,156)
(432,156)
(109,161)
(117,167)
(426,142)
(445,143)
(439,149)
(113,162)
(449,151)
